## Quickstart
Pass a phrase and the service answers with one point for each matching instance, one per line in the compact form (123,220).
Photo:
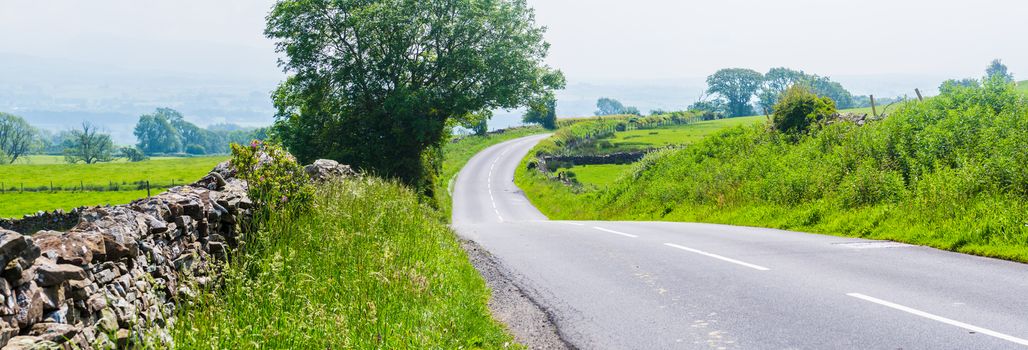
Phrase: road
(656,285)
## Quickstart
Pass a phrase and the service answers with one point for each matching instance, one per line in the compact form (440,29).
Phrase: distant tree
(542,112)
(17,138)
(195,150)
(825,87)
(998,69)
(799,108)
(954,84)
(132,154)
(776,81)
(377,84)
(156,134)
(711,108)
(88,146)
(737,86)
(658,111)
(631,110)
(609,106)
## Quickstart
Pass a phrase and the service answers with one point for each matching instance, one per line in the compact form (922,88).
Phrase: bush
(799,108)
(195,150)
(133,154)
(275,180)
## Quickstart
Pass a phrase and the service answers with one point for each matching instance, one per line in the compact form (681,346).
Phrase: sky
(652,53)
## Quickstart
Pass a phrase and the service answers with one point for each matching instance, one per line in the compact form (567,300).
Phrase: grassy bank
(351,274)
(948,173)
(456,154)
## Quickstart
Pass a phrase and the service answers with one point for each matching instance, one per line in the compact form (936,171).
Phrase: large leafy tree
(737,86)
(16,138)
(375,83)
(156,133)
(998,69)
(88,145)
(776,81)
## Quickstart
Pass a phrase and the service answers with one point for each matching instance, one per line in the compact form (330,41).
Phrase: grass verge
(349,274)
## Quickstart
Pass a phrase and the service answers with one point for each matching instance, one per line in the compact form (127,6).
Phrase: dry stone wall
(113,279)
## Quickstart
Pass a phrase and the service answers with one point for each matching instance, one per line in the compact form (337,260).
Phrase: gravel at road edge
(529,323)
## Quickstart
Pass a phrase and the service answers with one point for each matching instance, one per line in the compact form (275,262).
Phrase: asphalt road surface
(656,285)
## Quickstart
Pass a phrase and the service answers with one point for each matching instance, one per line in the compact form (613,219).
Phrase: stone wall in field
(114,278)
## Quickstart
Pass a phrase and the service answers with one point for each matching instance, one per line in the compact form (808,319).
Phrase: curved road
(654,285)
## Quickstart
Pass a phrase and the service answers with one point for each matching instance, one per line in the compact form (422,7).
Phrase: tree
(542,112)
(825,87)
(998,69)
(88,146)
(954,84)
(776,81)
(609,106)
(156,134)
(132,154)
(17,138)
(631,110)
(799,108)
(377,83)
(737,86)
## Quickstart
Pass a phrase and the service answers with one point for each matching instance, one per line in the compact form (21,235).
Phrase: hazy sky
(592,39)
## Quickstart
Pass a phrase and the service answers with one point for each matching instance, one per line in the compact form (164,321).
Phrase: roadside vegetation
(947,172)
(333,266)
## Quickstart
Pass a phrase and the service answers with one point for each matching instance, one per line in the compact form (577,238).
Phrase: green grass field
(1023,86)
(161,172)
(676,134)
(14,205)
(349,275)
(599,175)
(158,170)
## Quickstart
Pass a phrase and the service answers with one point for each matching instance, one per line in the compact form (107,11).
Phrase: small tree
(88,146)
(132,154)
(17,138)
(799,108)
(998,69)
(543,112)
(609,106)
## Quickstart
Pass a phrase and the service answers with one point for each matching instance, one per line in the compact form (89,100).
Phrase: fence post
(3,188)
(82,186)
(147,189)
(874,110)
(919,98)
(51,186)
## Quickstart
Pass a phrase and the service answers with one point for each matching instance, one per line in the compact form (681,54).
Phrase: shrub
(799,108)
(195,150)
(275,180)
(133,154)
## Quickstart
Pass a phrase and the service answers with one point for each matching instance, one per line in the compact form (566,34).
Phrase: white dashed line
(715,256)
(966,326)
(616,232)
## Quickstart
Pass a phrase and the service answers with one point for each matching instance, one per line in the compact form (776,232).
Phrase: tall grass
(369,267)
(949,172)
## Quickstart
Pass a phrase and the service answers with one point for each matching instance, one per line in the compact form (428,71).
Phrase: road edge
(530,323)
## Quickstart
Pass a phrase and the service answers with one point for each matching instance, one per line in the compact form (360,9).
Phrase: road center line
(616,232)
(715,256)
(966,326)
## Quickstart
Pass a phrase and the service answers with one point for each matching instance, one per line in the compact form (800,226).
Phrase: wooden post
(51,186)
(82,186)
(874,110)
(919,98)
(147,188)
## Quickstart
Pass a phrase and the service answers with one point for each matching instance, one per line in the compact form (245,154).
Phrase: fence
(111,186)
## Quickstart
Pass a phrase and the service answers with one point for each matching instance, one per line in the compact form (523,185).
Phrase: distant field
(157,170)
(14,205)
(1023,86)
(161,172)
(676,134)
(600,175)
